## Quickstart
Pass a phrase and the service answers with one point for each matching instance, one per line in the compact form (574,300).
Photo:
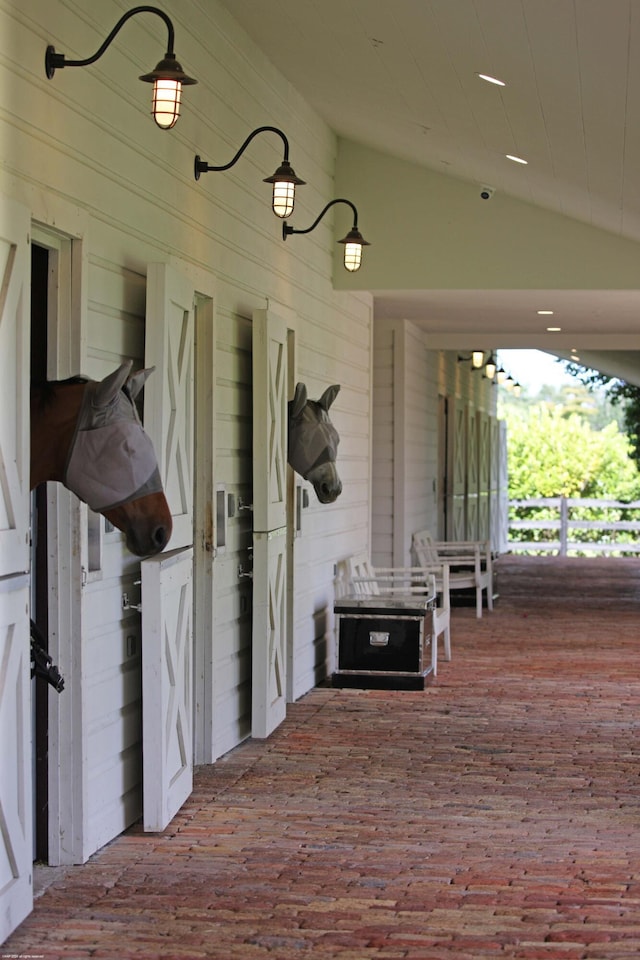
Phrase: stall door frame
(67,775)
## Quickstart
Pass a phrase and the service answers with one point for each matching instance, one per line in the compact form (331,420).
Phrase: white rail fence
(570,526)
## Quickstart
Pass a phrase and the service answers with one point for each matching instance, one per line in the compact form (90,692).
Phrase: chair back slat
(363,576)
(425,550)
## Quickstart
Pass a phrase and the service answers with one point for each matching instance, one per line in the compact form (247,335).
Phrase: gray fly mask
(111,459)
(313,442)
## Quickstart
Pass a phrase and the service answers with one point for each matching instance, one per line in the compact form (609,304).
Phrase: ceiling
(401,76)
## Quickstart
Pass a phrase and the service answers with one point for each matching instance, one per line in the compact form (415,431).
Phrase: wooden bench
(470,563)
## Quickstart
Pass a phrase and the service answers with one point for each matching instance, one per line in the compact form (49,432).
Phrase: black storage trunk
(383,643)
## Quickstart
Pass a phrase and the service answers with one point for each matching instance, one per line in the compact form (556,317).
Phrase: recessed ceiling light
(554,329)
(498,83)
(545,313)
(510,156)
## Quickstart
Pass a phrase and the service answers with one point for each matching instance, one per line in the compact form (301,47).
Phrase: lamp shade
(477,357)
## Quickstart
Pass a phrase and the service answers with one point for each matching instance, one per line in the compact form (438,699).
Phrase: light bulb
(284,195)
(352,256)
(166,102)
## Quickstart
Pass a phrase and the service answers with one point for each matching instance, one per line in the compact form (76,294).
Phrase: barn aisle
(494,815)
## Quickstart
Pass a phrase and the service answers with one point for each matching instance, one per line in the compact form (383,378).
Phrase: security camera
(486,193)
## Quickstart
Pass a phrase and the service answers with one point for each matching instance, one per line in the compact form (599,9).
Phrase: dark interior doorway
(39,580)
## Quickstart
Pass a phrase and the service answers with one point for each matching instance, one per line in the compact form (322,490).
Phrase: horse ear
(137,380)
(299,400)
(329,396)
(108,388)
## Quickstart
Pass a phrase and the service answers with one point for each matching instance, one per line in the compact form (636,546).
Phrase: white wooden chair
(471,560)
(363,579)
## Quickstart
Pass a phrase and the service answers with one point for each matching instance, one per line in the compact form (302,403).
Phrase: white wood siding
(86,138)
(421,440)
(405,447)
(329,355)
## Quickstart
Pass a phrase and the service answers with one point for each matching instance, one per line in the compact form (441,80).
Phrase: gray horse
(313,442)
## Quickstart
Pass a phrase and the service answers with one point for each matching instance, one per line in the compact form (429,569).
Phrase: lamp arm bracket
(287,230)
(254,133)
(55,61)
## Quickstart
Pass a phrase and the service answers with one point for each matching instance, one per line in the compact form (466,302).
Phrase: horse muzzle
(327,488)
(150,543)
(145,522)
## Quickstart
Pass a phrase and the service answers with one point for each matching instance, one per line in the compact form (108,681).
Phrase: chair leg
(447,642)
(490,597)
(478,603)
(434,648)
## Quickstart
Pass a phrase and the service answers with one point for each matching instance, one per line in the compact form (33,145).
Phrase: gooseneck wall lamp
(167,78)
(353,242)
(284,180)
(490,371)
(477,359)
(490,367)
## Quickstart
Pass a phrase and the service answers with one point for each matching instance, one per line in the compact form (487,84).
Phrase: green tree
(551,454)
(592,404)
(625,396)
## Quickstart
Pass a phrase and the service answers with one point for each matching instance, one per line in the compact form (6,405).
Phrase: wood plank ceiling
(401,76)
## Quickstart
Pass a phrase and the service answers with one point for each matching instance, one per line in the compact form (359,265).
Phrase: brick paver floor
(494,815)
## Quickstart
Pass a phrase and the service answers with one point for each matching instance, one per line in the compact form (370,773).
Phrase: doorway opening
(52,343)
(40,268)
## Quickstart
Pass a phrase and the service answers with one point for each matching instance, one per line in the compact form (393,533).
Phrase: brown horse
(87,435)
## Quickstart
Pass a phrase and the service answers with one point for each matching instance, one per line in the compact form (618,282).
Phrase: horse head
(313,442)
(88,435)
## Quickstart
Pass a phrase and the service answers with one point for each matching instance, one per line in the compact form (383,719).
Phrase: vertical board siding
(479,396)
(86,138)
(383,446)
(406,469)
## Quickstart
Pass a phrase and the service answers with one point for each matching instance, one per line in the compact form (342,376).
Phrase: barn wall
(405,449)
(467,389)
(383,452)
(82,153)
(409,385)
